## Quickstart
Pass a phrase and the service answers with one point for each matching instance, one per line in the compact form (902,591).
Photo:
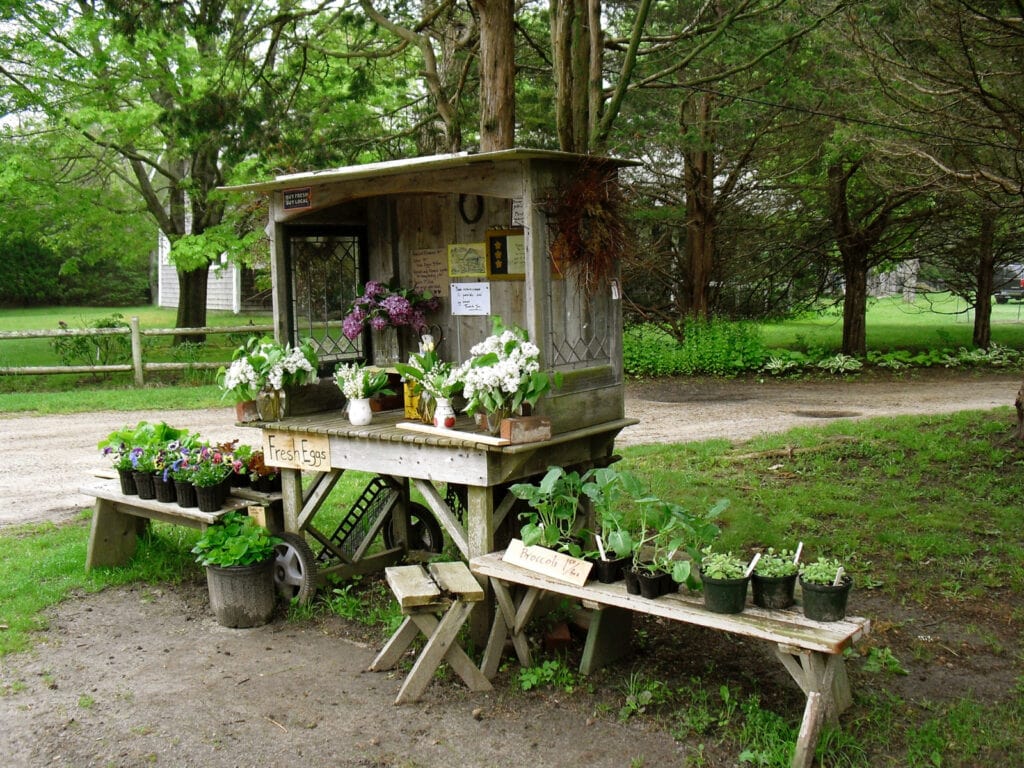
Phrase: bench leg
(396,646)
(112,536)
(508,620)
(440,645)
(609,638)
(810,727)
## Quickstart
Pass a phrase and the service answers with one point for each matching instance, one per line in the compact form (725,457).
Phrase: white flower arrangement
(262,363)
(357,382)
(504,372)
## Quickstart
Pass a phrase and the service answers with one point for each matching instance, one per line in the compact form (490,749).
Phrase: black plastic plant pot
(632,581)
(609,571)
(127,480)
(773,591)
(824,602)
(242,595)
(724,595)
(650,584)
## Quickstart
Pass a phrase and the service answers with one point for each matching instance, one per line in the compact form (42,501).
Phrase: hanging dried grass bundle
(590,236)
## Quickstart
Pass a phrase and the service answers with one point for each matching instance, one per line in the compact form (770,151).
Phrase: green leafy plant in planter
(610,493)
(825,587)
(724,580)
(238,554)
(554,503)
(774,578)
(235,540)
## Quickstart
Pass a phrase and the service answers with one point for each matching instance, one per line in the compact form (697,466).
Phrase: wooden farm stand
(477,231)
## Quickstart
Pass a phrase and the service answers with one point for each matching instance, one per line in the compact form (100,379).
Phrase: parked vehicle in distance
(1009,283)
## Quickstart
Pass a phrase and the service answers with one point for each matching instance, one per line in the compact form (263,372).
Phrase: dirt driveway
(144,676)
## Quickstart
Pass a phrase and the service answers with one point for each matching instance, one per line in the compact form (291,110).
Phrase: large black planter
(724,595)
(773,591)
(824,602)
(242,595)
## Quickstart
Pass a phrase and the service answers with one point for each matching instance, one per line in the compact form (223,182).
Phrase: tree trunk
(1019,405)
(699,187)
(497,74)
(191,302)
(986,267)
(855,302)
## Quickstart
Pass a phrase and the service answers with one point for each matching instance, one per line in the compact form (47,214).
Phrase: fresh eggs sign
(296,451)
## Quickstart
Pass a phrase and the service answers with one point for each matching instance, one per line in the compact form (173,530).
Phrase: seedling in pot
(773,565)
(722,565)
(825,570)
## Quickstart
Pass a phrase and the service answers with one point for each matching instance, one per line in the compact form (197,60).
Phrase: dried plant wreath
(589,233)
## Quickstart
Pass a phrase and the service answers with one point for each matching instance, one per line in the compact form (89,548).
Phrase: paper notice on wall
(430,270)
(471,299)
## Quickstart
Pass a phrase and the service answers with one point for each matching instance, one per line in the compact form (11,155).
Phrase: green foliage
(715,347)
(774,564)
(552,673)
(883,660)
(824,570)
(106,349)
(642,693)
(721,565)
(236,539)
(553,502)
(31,272)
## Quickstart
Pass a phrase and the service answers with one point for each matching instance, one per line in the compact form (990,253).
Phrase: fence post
(137,351)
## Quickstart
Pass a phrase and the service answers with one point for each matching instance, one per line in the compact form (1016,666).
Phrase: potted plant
(211,469)
(825,587)
(724,579)
(260,371)
(774,578)
(609,491)
(667,531)
(262,477)
(359,383)
(503,375)
(238,555)
(134,449)
(554,502)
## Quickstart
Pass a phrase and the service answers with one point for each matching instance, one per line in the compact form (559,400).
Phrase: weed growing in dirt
(552,673)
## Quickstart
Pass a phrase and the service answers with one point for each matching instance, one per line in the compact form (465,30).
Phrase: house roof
(417,165)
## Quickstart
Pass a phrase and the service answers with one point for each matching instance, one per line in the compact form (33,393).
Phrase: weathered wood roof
(417,165)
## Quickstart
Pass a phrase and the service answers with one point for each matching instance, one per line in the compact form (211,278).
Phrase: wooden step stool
(424,594)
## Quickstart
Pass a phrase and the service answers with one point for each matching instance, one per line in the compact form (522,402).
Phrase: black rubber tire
(424,531)
(294,568)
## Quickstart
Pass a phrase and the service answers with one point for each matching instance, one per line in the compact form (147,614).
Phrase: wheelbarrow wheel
(294,568)
(425,532)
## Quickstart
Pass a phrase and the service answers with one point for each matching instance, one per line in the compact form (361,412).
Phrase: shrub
(714,347)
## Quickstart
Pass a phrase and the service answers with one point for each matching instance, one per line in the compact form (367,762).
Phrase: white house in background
(229,287)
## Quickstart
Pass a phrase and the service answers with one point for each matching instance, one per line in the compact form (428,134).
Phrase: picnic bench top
(785,627)
(417,586)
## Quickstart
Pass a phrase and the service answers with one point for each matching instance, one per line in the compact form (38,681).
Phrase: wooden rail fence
(136,333)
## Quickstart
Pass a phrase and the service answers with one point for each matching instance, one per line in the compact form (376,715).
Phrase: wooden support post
(480,541)
(609,637)
(112,536)
(810,727)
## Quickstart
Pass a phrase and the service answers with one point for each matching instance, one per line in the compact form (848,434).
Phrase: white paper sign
(548,562)
(471,299)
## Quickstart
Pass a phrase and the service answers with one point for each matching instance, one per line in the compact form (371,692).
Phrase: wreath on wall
(589,233)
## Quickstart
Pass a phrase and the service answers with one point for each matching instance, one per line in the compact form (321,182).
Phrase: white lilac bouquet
(381,307)
(358,382)
(504,372)
(262,363)
(427,372)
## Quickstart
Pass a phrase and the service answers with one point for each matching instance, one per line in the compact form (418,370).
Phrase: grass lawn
(933,321)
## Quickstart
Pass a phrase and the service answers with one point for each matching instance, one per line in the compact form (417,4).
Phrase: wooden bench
(441,589)
(119,519)
(811,651)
